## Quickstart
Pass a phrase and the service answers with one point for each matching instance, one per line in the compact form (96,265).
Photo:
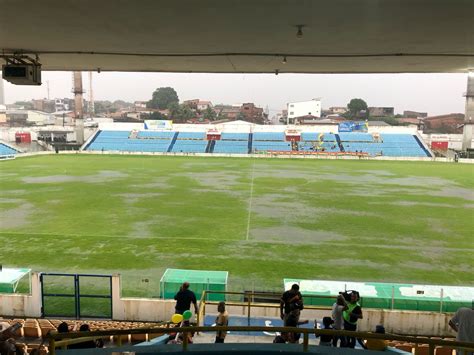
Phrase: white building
(28,117)
(61,105)
(304,108)
(203,105)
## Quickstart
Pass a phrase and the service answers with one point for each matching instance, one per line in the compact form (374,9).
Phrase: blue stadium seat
(234,136)
(391,144)
(6,150)
(268,136)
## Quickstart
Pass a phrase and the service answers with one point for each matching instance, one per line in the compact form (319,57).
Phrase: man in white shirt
(337,308)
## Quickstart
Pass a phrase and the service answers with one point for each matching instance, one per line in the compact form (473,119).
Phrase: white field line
(250,201)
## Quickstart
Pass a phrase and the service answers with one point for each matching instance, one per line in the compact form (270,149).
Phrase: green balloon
(187,314)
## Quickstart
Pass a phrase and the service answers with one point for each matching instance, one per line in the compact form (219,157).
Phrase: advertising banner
(158,124)
(350,126)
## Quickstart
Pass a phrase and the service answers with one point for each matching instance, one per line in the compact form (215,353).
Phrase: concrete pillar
(35,305)
(117,306)
(2,92)
(79,130)
(469,113)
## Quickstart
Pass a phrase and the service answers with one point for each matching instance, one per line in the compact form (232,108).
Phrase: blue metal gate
(76,295)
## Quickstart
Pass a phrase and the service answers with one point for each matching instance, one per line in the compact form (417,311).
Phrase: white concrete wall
(111,126)
(139,309)
(146,309)
(22,305)
(455,141)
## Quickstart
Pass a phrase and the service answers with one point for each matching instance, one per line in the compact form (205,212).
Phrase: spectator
(63,328)
(293,320)
(377,344)
(337,308)
(221,320)
(463,324)
(184,298)
(326,340)
(351,315)
(7,339)
(86,344)
(290,301)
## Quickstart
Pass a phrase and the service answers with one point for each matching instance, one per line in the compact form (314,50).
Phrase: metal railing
(62,340)
(250,302)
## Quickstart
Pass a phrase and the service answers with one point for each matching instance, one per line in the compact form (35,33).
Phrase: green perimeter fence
(432,298)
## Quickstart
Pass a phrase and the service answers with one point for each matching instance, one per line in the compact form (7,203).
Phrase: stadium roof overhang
(252,36)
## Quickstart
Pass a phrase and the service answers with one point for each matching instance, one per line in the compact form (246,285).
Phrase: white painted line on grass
(250,201)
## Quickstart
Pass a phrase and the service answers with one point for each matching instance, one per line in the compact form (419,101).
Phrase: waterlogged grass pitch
(260,219)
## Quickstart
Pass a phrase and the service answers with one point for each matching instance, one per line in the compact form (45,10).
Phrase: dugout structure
(199,280)
(10,277)
(434,298)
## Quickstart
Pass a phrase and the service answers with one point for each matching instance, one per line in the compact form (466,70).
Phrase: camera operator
(351,315)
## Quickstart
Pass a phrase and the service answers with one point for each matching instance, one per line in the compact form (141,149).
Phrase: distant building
(408,120)
(203,105)
(63,104)
(310,120)
(381,111)
(231,112)
(338,110)
(28,118)
(44,105)
(197,104)
(415,114)
(192,104)
(304,108)
(252,113)
(450,123)
(139,105)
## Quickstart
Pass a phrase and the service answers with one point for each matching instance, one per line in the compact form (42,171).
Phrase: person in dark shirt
(351,315)
(184,298)
(290,301)
(326,340)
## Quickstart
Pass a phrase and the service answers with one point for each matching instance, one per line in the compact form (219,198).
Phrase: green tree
(355,107)
(186,113)
(222,116)
(162,98)
(179,112)
(209,114)
(102,106)
(173,109)
(153,116)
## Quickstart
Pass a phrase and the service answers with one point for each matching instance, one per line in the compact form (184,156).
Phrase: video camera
(348,294)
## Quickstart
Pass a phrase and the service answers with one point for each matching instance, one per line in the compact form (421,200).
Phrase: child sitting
(326,340)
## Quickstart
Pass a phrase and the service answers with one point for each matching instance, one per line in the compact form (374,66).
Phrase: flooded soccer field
(260,219)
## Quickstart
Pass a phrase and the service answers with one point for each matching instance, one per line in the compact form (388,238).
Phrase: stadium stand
(189,142)
(386,144)
(6,151)
(33,333)
(270,141)
(389,144)
(232,143)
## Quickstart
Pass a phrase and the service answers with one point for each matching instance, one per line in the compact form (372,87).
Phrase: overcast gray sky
(432,93)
